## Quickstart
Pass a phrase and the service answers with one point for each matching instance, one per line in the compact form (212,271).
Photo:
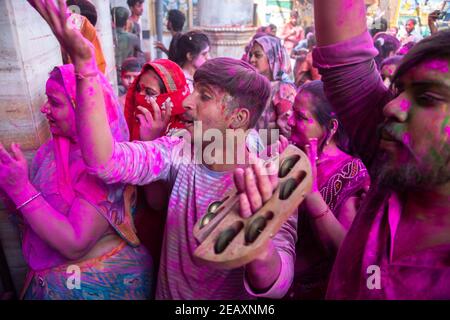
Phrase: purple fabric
(355,89)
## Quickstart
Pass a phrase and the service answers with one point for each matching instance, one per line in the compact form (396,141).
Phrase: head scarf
(176,91)
(59,171)
(279,62)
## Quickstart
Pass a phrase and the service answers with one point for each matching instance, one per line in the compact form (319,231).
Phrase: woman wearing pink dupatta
(271,59)
(341,180)
(77,226)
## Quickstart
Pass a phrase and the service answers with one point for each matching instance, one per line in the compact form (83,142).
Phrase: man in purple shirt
(399,244)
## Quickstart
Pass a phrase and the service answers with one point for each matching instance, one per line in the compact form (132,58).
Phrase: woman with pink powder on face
(341,181)
(70,218)
(270,58)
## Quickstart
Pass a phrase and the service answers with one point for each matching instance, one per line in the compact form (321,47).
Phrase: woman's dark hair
(191,42)
(87,9)
(396,60)
(312,42)
(120,16)
(323,112)
(176,19)
(386,46)
(309,29)
(378,25)
(132,64)
(435,46)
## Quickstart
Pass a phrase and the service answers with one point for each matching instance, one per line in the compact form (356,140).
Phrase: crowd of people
(115,193)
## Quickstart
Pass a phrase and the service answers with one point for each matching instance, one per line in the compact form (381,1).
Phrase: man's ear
(189,56)
(240,119)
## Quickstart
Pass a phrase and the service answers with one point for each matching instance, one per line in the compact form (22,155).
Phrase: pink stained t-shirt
(193,188)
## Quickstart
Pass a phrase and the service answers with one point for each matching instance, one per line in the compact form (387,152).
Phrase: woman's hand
(13,170)
(62,24)
(154,126)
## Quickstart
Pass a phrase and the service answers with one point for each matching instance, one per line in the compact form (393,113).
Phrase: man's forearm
(338,20)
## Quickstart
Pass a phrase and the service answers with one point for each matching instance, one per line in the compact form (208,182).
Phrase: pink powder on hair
(437,65)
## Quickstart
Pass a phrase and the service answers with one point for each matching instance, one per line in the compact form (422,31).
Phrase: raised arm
(95,138)
(352,83)
(338,20)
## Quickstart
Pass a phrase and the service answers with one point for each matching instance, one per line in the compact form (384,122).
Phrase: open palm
(58,18)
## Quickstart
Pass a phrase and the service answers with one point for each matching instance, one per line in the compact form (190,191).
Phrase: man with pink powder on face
(229,94)
(399,243)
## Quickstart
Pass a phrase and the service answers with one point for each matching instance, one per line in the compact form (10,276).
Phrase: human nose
(291,121)
(188,103)
(398,109)
(45,109)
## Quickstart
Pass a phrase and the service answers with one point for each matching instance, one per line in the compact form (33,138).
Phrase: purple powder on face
(437,65)
(407,139)
(405,105)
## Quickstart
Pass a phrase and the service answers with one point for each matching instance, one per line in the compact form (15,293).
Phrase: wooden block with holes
(229,241)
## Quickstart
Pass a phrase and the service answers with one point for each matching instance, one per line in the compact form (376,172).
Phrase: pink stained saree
(339,178)
(59,172)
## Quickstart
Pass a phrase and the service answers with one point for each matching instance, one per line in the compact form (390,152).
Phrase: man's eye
(427,99)
(205,97)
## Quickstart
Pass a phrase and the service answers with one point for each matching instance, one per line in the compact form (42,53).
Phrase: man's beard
(430,172)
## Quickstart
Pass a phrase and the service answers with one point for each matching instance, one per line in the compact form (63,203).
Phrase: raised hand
(63,26)
(154,126)
(13,170)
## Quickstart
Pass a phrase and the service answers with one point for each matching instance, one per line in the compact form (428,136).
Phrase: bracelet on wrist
(28,201)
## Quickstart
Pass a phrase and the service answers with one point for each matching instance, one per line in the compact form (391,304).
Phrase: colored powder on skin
(407,139)
(436,156)
(445,123)
(405,105)
(437,65)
